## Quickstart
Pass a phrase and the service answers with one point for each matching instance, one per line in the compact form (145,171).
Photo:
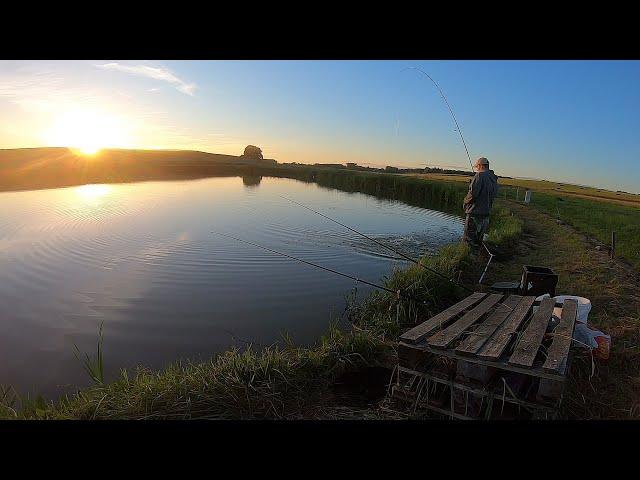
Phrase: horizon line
(367,164)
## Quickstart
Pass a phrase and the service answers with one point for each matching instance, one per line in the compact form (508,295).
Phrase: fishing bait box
(537,281)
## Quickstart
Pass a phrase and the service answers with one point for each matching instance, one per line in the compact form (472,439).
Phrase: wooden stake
(613,244)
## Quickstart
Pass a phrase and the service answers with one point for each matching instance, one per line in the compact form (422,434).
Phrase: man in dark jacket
(478,202)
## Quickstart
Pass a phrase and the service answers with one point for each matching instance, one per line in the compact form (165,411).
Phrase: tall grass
(504,227)
(93,364)
(278,382)
(443,196)
(385,316)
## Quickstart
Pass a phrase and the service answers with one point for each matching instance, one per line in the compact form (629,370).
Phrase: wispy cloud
(156,73)
(41,91)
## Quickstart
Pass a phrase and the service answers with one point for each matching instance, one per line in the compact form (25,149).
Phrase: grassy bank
(597,219)
(592,211)
(604,390)
(282,381)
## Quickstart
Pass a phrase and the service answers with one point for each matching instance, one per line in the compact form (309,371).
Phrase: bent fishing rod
(375,285)
(377,242)
(455,120)
(453,115)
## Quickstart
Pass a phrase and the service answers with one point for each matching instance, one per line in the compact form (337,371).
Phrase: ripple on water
(143,259)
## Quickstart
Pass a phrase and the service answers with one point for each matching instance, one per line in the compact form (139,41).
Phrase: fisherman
(483,188)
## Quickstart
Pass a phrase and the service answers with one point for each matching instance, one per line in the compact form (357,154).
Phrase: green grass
(278,382)
(93,365)
(592,211)
(597,219)
(384,315)
(505,228)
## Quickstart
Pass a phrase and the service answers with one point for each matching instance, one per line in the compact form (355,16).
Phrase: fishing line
(397,252)
(453,115)
(395,292)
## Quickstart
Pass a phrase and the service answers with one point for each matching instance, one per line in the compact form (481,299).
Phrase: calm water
(142,258)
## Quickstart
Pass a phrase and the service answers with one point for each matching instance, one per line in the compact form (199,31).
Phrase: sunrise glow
(88,131)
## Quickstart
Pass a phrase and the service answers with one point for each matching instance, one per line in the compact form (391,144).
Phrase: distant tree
(251,151)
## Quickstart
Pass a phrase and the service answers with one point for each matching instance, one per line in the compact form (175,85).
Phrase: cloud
(41,92)
(156,73)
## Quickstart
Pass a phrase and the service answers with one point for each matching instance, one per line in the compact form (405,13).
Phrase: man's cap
(482,161)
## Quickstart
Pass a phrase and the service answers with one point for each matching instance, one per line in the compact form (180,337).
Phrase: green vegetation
(94,366)
(278,382)
(505,229)
(383,315)
(597,219)
(441,196)
(546,186)
(592,211)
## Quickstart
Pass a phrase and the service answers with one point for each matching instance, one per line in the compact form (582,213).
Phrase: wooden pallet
(497,335)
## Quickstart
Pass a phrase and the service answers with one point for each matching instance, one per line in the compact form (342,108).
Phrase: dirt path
(614,290)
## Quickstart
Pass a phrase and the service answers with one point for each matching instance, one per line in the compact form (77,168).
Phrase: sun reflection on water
(92,193)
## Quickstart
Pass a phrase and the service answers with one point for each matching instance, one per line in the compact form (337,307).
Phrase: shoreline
(304,383)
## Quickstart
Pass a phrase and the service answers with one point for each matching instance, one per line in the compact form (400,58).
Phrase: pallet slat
(494,347)
(478,338)
(419,332)
(527,348)
(444,338)
(559,349)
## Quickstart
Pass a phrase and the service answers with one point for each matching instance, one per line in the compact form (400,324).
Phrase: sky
(568,121)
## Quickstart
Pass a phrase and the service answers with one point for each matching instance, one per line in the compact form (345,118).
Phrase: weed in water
(93,365)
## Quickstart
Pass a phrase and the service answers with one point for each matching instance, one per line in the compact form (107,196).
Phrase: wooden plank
(444,338)
(477,339)
(559,350)
(527,348)
(412,357)
(495,363)
(494,347)
(480,391)
(419,332)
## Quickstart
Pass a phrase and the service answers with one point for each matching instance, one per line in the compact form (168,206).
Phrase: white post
(527,196)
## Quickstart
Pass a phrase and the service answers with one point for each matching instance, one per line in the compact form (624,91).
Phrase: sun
(88,131)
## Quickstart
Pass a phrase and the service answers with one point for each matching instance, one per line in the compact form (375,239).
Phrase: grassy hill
(31,168)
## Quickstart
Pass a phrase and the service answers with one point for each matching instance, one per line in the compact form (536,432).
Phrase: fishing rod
(395,292)
(397,252)
(455,120)
(453,115)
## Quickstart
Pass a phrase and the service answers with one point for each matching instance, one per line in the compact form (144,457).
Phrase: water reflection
(251,180)
(142,259)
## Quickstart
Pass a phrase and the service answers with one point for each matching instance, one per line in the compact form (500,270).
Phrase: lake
(143,259)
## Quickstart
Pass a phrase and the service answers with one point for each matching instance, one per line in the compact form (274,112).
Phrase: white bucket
(584,306)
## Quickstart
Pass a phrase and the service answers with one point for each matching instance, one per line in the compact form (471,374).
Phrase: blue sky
(571,121)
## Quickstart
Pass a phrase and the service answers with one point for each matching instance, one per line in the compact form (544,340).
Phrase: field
(592,211)
(563,189)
